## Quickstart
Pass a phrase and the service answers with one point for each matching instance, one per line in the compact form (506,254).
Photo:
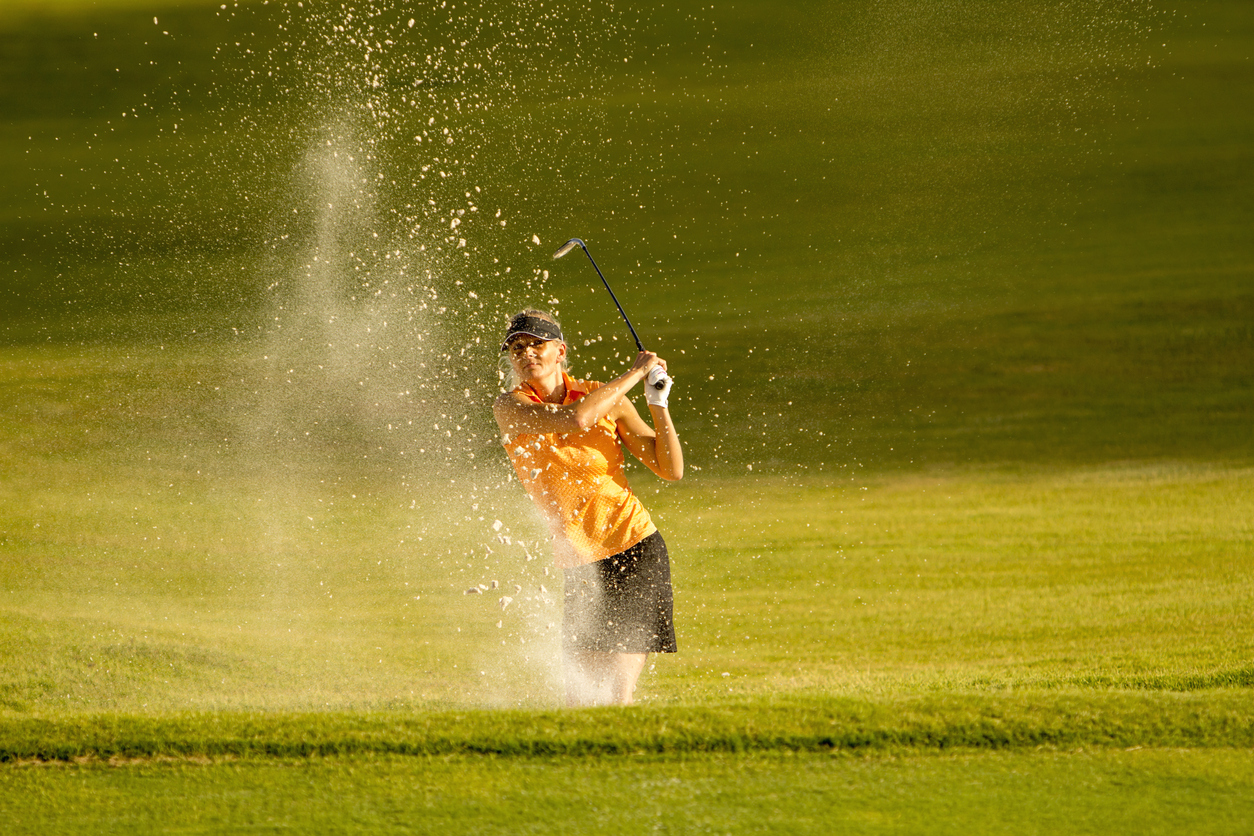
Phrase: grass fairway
(997,650)
(959,302)
(1159,791)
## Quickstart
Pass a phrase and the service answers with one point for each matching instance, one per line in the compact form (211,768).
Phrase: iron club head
(568,246)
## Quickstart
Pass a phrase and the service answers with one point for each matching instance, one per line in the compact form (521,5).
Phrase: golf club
(575,242)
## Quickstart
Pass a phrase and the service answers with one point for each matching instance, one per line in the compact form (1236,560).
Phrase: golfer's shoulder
(511,398)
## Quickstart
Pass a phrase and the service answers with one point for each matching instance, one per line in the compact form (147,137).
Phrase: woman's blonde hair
(506,369)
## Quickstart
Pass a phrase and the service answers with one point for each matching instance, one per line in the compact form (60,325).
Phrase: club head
(567,247)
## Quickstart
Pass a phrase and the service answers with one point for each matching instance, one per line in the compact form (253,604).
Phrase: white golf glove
(657,387)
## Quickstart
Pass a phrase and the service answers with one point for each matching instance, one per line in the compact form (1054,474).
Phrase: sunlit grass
(22,8)
(157,587)
(1092,792)
(167,550)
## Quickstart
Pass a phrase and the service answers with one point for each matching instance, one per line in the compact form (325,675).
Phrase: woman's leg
(627,670)
(599,678)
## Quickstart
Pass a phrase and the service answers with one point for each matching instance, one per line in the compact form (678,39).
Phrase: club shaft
(634,336)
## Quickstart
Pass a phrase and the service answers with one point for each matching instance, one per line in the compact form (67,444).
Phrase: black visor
(532,326)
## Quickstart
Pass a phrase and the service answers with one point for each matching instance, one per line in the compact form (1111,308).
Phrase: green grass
(325,595)
(958,302)
(1088,792)
(1023,721)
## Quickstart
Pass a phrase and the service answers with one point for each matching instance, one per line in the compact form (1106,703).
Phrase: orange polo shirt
(577,481)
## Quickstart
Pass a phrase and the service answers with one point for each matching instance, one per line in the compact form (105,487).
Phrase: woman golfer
(565,439)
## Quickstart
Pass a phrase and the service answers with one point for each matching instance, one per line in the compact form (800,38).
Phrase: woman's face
(535,358)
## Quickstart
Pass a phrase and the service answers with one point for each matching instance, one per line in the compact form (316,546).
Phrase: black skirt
(622,604)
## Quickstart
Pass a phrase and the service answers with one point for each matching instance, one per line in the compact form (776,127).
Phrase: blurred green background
(982,232)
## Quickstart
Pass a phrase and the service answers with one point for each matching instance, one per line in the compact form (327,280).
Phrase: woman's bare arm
(516,414)
(657,447)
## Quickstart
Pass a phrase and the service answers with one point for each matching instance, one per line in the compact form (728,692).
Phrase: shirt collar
(573,391)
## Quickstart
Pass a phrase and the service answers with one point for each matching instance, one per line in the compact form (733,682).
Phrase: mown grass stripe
(1021,721)
(1235,678)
